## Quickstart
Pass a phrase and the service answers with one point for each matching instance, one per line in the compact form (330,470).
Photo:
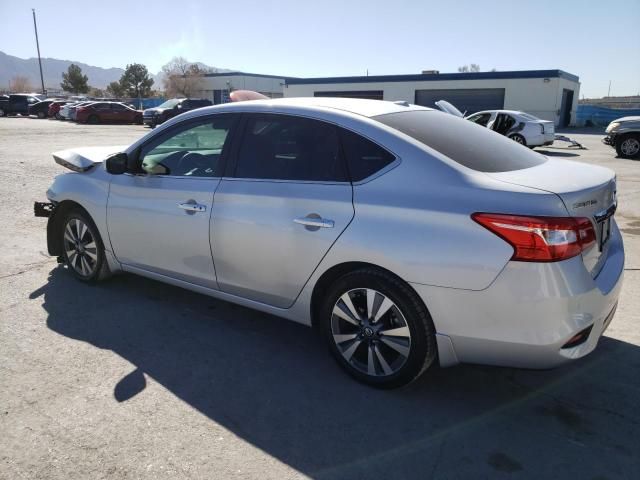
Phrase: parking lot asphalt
(139,380)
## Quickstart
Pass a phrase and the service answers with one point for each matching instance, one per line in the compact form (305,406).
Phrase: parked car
(18,103)
(107,112)
(623,134)
(40,109)
(54,108)
(406,235)
(73,109)
(65,110)
(521,127)
(171,108)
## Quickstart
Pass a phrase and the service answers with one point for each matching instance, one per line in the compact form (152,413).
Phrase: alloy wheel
(80,247)
(630,147)
(370,332)
(518,139)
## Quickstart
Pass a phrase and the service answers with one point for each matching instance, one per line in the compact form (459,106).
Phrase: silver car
(407,236)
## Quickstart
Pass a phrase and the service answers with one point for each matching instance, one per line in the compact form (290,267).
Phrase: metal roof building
(547,94)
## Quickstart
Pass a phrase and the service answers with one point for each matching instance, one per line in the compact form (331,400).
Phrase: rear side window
(462,141)
(282,147)
(364,158)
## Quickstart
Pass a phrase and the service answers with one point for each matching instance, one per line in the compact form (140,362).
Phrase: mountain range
(52,69)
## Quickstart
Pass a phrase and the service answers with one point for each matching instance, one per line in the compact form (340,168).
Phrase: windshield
(464,142)
(170,103)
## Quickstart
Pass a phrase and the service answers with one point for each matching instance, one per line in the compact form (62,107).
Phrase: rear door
(285,202)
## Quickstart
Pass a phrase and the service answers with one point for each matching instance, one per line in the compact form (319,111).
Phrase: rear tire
(628,146)
(382,334)
(82,247)
(518,139)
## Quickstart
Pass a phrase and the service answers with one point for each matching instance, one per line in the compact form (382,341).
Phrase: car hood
(83,159)
(628,119)
(154,110)
(446,107)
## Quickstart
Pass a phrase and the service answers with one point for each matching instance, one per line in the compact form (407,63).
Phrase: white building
(216,86)
(548,94)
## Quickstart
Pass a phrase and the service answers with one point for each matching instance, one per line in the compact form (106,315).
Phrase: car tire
(2,114)
(41,115)
(364,346)
(82,247)
(93,119)
(518,139)
(628,146)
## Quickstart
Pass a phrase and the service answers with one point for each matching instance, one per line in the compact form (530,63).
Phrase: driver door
(158,218)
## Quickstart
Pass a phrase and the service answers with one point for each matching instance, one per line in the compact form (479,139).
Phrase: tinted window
(117,107)
(470,145)
(282,147)
(191,150)
(101,106)
(364,158)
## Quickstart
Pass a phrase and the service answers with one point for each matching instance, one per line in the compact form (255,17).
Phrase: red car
(108,112)
(54,108)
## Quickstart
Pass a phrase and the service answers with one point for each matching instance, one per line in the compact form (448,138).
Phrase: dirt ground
(133,379)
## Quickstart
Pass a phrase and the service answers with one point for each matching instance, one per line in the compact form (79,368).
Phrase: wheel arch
(54,243)
(336,271)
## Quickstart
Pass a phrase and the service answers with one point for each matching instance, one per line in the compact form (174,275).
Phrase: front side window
(117,107)
(480,118)
(281,147)
(190,151)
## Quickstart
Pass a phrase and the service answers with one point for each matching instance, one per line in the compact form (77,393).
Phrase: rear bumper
(529,313)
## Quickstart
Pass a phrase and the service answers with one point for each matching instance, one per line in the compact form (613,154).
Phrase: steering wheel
(191,161)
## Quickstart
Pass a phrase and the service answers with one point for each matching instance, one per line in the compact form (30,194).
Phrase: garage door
(467,100)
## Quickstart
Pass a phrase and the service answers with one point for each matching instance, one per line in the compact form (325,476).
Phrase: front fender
(90,190)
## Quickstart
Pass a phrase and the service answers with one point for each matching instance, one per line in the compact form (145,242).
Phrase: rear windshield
(463,141)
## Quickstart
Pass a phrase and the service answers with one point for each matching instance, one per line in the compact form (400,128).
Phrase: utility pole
(35,28)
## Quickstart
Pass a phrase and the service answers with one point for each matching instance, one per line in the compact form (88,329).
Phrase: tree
(74,81)
(135,81)
(96,92)
(182,78)
(114,89)
(474,67)
(20,84)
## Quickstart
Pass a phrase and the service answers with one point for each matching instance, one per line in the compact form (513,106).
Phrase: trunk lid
(586,191)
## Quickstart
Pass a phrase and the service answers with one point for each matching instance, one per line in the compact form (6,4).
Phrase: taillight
(540,239)
(80,109)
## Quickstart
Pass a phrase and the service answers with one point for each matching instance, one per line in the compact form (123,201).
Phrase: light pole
(35,28)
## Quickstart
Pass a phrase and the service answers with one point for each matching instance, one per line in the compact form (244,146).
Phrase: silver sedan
(407,236)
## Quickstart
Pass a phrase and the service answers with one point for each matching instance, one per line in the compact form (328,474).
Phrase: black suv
(17,104)
(171,108)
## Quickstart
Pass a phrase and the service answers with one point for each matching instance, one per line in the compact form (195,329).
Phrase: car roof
(513,112)
(358,106)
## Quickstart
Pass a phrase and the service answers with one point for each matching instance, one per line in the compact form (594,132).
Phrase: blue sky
(598,40)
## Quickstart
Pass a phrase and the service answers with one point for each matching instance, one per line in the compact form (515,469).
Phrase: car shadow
(272,383)
(556,153)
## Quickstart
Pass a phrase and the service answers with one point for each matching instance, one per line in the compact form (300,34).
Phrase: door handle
(314,222)
(192,207)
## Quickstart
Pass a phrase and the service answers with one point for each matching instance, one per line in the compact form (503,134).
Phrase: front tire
(628,146)
(378,329)
(518,139)
(82,247)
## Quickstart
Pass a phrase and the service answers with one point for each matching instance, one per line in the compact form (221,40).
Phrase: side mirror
(117,164)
